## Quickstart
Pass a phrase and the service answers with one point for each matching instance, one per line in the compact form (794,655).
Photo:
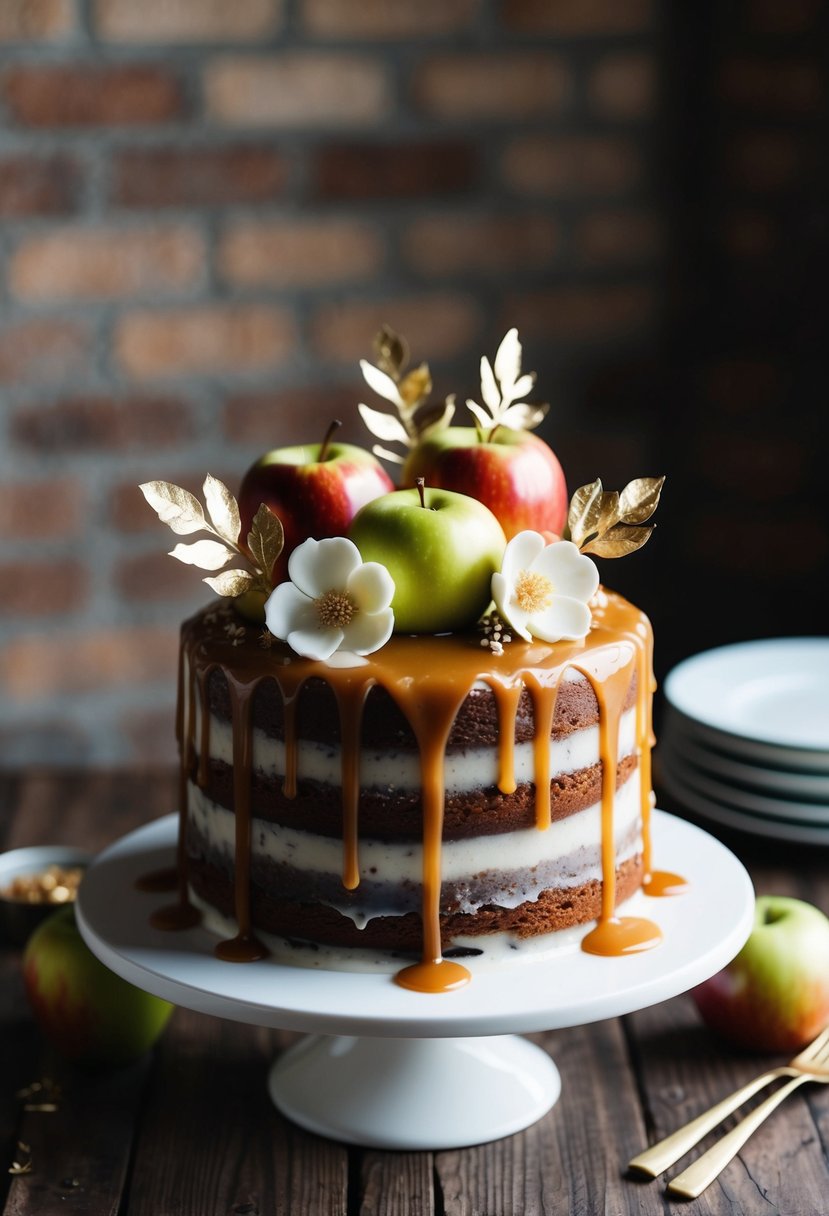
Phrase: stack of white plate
(745,738)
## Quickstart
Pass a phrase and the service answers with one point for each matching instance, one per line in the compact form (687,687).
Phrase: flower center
(335,609)
(533,592)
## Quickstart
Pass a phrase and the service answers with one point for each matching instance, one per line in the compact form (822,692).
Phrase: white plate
(774,691)
(742,799)
(719,814)
(769,755)
(790,784)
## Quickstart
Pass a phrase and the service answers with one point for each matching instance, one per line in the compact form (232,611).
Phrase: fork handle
(665,1152)
(693,1181)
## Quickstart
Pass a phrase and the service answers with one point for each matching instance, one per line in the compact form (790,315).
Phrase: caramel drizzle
(430,706)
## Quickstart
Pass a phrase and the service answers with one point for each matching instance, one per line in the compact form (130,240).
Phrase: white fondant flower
(543,590)
(333,601)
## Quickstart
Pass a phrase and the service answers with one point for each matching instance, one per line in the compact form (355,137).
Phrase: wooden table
(191,1130)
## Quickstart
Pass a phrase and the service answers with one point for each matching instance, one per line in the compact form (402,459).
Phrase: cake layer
(508,869)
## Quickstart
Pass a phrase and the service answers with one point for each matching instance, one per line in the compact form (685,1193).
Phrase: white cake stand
(390,1068)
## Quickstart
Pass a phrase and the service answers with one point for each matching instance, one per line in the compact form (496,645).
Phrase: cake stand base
(422,1070)
(414,1094)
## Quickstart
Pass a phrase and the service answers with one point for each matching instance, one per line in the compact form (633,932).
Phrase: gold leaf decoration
(609,524)
(231,582)
(502,387)
(266,540)
(223,509)
(408,392)
(206,554)
(178,509)
(184,514)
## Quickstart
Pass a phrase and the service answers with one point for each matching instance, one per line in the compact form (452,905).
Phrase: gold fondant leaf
(416,386)
(391,350)
(177,508)
(231,582)
(382,384)
(207,554)
(502,386)
(639,499)
(266,540)
(387,454)
(383,426)
(618,541)
(606,523)
(222,509)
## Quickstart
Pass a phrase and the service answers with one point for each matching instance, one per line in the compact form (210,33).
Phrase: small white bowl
(18,917)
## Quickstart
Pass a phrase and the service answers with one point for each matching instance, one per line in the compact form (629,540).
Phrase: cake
(424,798)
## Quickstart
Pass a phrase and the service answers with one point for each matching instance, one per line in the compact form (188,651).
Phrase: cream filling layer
(567,854)
(399,770)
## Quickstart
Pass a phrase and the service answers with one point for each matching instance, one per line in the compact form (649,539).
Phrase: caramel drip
(544,708)
(446,670)
(244,947)
(351,716)
(663,882)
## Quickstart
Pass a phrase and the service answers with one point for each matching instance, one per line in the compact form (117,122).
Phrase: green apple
(774,996)
(440,548)
(516,474)
(85,1010)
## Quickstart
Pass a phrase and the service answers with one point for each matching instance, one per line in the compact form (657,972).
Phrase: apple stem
(491,434)
(329,435)
(420,482)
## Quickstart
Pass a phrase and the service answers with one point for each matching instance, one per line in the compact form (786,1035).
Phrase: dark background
(208,212)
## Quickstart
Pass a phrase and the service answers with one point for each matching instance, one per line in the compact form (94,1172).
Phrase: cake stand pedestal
(385,1067)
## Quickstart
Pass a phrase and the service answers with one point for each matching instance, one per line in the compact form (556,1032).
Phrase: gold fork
(665,1152)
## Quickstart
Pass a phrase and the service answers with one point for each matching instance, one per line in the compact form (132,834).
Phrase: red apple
(315,489)
(514,473)
(86,1011)
(774,996)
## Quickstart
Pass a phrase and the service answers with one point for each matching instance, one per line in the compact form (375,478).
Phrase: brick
(622,86)
(42,588)
(402,170)
(97,424)
(38,667)
(610,238)
(40,509)
(436,325)
(92,94)
(295,415)
(156,577)
(299,89)
(42,350)
(444,244)
(190,21)
(106,263)
(501,86)
(578,18)
(36,20)
(38,185)
(777,86)
(207,340)
(186,176)
(764,160)
(559,166)
(377,19)
(595,313)
(299,253)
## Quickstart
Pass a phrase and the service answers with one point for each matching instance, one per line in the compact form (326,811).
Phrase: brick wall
(209,208)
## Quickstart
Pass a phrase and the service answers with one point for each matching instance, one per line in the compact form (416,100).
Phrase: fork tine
(816,1048)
